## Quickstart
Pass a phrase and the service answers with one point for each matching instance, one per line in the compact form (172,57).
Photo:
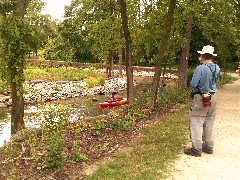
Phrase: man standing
(203,110)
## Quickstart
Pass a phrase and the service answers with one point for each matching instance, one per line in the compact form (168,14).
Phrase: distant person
(203,110)
(114,98)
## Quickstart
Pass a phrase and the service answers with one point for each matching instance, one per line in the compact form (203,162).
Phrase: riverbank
(44,91)
(41,91)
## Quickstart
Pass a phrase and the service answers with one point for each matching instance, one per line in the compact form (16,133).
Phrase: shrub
(224,79)
(53,119)
(189,75)
(3,87)
(92,81)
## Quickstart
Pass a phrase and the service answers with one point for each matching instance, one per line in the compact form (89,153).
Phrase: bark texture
(161,51)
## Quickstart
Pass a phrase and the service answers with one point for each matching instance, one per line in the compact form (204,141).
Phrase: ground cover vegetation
(64,150)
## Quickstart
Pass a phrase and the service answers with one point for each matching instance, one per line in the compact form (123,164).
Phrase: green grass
(151,157)
(61,73)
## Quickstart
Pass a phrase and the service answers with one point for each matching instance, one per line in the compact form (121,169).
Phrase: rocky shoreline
(41,91)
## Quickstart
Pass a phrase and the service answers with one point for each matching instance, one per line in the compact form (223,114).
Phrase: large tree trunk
(129,68)
(17,112)
(182,73)
(161,51)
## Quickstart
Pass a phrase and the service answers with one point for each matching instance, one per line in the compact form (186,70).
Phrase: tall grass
(61,73)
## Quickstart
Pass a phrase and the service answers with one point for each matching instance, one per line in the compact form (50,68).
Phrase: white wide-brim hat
(207,50)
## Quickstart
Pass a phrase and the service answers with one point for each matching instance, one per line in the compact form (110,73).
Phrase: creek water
(81,108)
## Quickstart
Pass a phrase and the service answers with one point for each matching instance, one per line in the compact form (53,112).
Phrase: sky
(55,8)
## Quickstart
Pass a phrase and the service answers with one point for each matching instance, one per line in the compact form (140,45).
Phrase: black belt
(212,93)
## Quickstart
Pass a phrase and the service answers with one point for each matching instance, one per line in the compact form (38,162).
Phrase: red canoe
(110,104)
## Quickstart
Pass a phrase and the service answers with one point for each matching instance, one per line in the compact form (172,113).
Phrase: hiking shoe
(192,152)
(207,151)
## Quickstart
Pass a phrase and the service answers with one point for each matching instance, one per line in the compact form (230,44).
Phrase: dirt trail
(225,162)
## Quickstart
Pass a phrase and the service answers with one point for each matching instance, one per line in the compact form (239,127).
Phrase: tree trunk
(182,73)
(110,64)
(120,56)
(129,68)
(106,63)
(14,113)
(120,61)
(17,111)
(161,51)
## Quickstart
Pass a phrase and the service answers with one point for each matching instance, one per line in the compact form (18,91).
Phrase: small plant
(53,120)
(91,82)
(121,122)
(98,124)
(128,121)
(101,81)
(76,156)
(171,95)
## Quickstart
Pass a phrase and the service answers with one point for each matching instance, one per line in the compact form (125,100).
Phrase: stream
(81,108)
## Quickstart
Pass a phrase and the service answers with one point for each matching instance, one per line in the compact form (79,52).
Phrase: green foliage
(92,81)
(14,33)
(76,156)
(4,87)
(225,79)
(139,110)
(41,25)
(57,49)
(171,95)
(189,75)
(54,156)
(63,73)
(95,26)
(92,30)
(120,120)
(54,119)
(98,124)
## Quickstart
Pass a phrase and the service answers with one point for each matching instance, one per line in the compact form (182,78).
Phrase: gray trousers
(201,123)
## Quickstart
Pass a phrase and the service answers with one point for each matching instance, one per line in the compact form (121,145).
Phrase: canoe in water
(110,104)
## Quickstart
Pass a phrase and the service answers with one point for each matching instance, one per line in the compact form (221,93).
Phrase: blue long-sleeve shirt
(205,77)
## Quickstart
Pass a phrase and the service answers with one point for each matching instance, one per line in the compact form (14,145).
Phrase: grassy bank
(151,157)
(90,76)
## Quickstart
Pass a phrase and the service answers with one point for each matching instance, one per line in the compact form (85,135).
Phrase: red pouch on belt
(206,97)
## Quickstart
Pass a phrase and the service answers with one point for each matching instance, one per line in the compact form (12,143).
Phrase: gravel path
(224,163)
